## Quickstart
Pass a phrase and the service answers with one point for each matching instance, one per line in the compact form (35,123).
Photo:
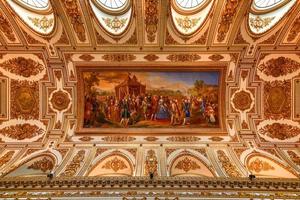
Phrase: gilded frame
(220,131)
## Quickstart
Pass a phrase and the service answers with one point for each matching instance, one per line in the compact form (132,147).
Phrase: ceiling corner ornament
(187,164)
(119,57)
(74,165)
(295,30)
(44,165)
(230,169)
(24,100)
(277,99)
(278,67)
(115,23)
(280,131)
(73,11)
(6,28)
(258,166)
(21,131)
(242,100)
(60,100)
(151,20)
(43,23)
(227,18)
(115,164)
(187,23)
(151,163)
(259,23)
(183,57)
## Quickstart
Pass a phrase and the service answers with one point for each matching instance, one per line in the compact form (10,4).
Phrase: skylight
(36,4)
(189,4)
(113,4)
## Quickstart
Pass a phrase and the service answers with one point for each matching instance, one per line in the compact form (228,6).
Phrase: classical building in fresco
(130,87)
(150,99)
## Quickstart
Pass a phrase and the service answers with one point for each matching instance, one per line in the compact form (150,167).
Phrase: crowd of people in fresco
(130,110)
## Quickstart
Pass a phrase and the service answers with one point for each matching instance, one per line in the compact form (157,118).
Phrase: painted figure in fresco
(88,111)
(210,114)
(162,110)
(145,107)
(187,111)
(175,113)
(152,107)
(125,113)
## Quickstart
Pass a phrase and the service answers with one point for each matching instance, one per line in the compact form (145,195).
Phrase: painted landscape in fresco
(115,99)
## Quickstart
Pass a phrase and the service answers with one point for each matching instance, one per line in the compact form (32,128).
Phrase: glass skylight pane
(189,4)
(37,4)
(113,4)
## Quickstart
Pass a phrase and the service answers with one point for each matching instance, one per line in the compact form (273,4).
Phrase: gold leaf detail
(115,164)
(187,165)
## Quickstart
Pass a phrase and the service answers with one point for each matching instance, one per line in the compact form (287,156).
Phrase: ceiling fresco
(45,121)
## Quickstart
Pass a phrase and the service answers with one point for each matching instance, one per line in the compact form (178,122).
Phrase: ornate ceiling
(43,48)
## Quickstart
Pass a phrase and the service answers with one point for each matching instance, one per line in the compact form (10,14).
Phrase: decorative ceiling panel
(44,105)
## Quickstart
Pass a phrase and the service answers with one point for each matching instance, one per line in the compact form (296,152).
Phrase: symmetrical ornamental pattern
(277,99)
(116,164)
(151,20)
(280,66)
(187,164)
(151,163)
(43,23)
(258,165)
(24,100)
(259,23)
(25,67)
(21,131)
(280,131)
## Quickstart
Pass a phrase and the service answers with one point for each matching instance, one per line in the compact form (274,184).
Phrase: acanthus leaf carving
(151,19)
(295,30)
(187,164)
(44,165)
(6,28)
(227,165)
(115,164)
(73,11)
(21,131)
(258,166)
(151,163)
(74,165)
(227,18)
(280,66)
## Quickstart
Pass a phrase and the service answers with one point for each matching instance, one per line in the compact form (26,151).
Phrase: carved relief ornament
(227,18)
(6,28)
(73,11)
(151,19)
(187,164)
